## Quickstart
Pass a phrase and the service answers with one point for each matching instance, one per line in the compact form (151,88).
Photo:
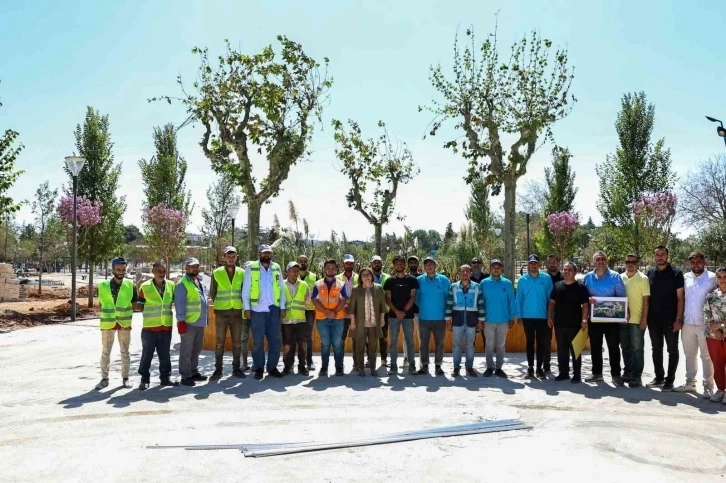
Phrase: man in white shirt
(698,284)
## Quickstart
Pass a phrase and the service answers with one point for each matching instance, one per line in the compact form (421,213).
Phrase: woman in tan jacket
(367,310)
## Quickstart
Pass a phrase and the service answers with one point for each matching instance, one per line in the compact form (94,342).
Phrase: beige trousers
(124,339)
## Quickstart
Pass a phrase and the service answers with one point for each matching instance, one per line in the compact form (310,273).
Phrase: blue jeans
(459,333)
(266,325)
(393,331)
(331,333)
(632,340)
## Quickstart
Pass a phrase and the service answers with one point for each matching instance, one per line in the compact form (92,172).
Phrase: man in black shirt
(665,316)
(400,295)
(553,269)
(568,308)
(477,274)
(413,264)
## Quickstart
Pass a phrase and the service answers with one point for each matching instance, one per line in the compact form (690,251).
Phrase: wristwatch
(584,321)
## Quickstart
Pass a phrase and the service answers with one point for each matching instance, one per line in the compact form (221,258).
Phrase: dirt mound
(49,293)
(83,291)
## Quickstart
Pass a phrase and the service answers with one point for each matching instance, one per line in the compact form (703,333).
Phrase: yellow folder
(578,343)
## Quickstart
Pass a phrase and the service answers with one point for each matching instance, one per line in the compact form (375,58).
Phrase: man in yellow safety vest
(226,293)
(295,329)
(309,278)
(192,305)
(117,298)
(156,297)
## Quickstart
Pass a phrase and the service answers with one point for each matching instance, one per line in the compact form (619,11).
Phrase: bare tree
(702,192)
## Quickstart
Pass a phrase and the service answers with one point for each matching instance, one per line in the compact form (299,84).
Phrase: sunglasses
(630,262)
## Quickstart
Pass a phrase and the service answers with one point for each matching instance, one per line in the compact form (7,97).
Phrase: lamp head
(712,119)
(232,211)
(75,164)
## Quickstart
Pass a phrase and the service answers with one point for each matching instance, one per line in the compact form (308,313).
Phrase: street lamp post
(720,130)
(232,211)
(528,250)
(74,165)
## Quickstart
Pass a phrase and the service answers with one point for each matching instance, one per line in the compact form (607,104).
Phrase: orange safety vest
(329,298)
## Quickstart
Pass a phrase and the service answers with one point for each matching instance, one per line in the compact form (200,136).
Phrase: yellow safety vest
(310,279)
(255,281)
(119,312)
(157,311)
(229,295)
(295,307)
(194,303)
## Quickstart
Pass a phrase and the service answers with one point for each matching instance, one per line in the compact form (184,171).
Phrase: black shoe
(547,369)
(311,367)
(286,370)
(488,373)
(393,370)
(199,378)
(237,372)
(618,381)
(576,379)
(303,371)
(169,383)
(667,387)
(188,381)
(562,377)
(125,383)
(216,375)
(245,367)
(540,374)
(627,377)
(471,372)
(143,386)
(456,373)
(423,370)
(635,383)
(323,372)
(501,373)
(258,374)
(594,378)
(275,373)
(530,373)
(412,371)
(439,371)
(339,372)
(655,383)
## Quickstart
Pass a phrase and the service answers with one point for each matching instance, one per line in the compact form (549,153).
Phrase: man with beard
(226,293)
(665,316)
(295,327)
(553,270)
(380,278)
(413,271)
(632,334)
(433,291)
(190,301)
(698,284)
(499,307)
(263,297)
(464,316)
(350,280)
(117,298)
(400,295)
(330,297)
(309,278)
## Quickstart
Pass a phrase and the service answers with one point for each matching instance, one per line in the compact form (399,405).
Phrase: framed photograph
(609,309)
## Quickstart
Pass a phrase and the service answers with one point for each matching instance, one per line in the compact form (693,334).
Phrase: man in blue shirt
(191,304)
(533,297)
(433,289)
(499,307)
(603,282)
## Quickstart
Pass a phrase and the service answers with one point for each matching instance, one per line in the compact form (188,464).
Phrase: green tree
(637,168)
(217,223)
(375,168)
(257,104)
(559,195)
(478,211)
(712,241)
(48,228)
(164,175)
(132,233)
(702,192)
(449,235)
(489,98)
(8,174)
(99,181)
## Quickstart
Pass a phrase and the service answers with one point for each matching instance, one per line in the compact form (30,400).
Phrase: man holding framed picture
(603,282)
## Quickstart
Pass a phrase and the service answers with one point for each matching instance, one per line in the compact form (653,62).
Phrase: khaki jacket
(358,308)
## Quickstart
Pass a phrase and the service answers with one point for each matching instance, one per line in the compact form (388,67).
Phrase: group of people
(372,307)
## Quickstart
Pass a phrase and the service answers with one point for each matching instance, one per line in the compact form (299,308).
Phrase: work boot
(258,374)
(471,372)
(143,386)
(102,384)
(488,373)
(302,370)
(169,383)
(125,383)
(217,374)
(188,381)
(439,371)
(198,377)
(237,372)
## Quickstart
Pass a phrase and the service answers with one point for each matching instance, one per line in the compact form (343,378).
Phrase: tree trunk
(378,238)
(510,216)
(253,228)
(90,284)
(40,274)
(168,268)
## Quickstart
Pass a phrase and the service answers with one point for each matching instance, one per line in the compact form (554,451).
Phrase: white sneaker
(717,397)
(707,392)
(687,387)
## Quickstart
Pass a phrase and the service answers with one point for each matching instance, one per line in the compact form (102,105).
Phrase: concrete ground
(55,428)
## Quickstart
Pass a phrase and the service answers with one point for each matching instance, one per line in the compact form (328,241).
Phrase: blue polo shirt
(533,296)
(609,285)
(498,300)
(431,296)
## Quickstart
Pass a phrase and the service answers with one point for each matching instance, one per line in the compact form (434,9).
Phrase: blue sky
(60,56)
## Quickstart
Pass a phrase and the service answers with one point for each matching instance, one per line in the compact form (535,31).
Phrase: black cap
(476,260)
(533,258)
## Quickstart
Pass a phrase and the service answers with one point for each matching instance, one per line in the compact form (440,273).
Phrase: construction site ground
(55,427)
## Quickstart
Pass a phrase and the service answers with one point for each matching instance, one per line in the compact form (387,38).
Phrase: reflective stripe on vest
(194,303)
(310,279)
(255,281)
(229,294)
(295,306)
(329,299)
(157,311)
(119,312)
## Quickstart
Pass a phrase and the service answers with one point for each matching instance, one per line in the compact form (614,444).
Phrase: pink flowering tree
(165,231)
(88,214)
(562,227)
(654,215)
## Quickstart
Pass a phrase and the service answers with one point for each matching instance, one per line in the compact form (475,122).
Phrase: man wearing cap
(400,295)
(264,302)
(295,329)
(156,297)
(117,298)
(309,278)
(500,310)
(477,272)
(531,304)
(226,294)
(380,278)
(433,290)
(192,305)
(330,297)
(350,280)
